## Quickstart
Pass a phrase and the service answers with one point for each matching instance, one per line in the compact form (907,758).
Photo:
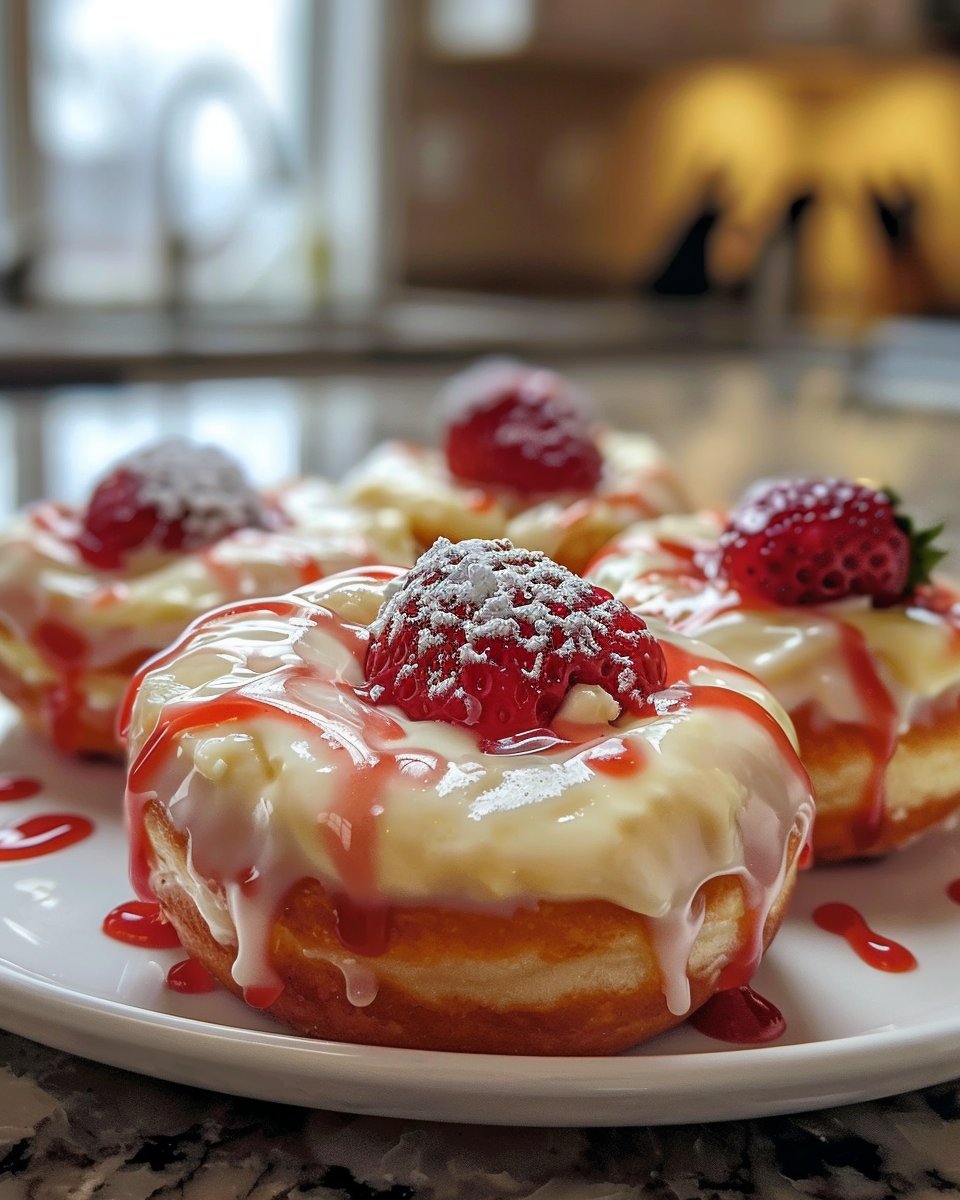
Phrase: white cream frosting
(796,651)
(638,481)
(415,480)
(316,781)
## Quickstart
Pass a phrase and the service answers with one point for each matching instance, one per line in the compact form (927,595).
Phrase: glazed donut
(549,482)
(871,683)
(371,876)
(79,613)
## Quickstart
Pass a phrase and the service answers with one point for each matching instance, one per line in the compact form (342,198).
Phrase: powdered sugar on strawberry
(483,634)
(521,427)
(199,485)
(173,495)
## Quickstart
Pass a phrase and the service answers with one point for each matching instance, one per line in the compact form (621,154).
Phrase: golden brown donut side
(572,978)
(922,782)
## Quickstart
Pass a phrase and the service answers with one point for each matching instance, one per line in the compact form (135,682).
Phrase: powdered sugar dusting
(819,499)
(478,595)
(200,486)
(549,413)
(493,377)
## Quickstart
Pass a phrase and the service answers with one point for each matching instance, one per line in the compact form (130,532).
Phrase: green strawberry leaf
(924,555)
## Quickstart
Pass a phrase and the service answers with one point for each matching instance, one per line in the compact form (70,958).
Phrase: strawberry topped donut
(474,806)
(171,531)
(520,459)
(821,588)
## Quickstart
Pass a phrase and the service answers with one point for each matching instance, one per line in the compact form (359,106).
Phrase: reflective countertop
(726,419)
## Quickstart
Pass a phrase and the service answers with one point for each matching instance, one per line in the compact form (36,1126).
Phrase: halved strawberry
(810,541)
(173,495)
(515,426)
(492,637)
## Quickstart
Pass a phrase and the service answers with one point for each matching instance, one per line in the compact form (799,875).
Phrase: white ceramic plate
(854,1032)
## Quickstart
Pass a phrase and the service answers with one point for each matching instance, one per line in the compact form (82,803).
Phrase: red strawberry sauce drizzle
(685,554)
(477,500)
(285,609)
(578,511)
(66,651)
(61,647)
(37,836)
(56,519)
(230,576)
(880,729)
(619,759)
(190,977)
(740,1015)
(943,599)
(18,787)
(875,949)
(362,928)
(140,923)
(58,643)
(681,664)
(281,609)
(350,823)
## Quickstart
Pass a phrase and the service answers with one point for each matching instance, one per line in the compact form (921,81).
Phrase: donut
(867,665)
(473,806)
(86,595)
(520,461)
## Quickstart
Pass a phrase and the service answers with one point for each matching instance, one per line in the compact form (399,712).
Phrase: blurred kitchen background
(738,221)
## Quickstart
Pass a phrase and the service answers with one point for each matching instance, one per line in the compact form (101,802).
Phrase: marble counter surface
(724,419)
(71,1129)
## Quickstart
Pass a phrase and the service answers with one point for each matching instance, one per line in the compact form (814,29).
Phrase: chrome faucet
(201,81)
(20,202)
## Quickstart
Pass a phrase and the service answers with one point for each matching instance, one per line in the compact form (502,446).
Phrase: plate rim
(641,1084)
(714,1084)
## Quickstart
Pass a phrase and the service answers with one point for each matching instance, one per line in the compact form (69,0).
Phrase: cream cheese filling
(637,481)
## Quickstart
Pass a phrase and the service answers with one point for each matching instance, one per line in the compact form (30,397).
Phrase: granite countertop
(71,1129)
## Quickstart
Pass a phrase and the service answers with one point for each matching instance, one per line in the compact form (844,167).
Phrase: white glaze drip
(673,936)
(360,982)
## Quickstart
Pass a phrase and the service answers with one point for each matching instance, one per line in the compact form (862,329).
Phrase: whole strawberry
(173,495)
(485,635)
(515,426)
(810,541)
